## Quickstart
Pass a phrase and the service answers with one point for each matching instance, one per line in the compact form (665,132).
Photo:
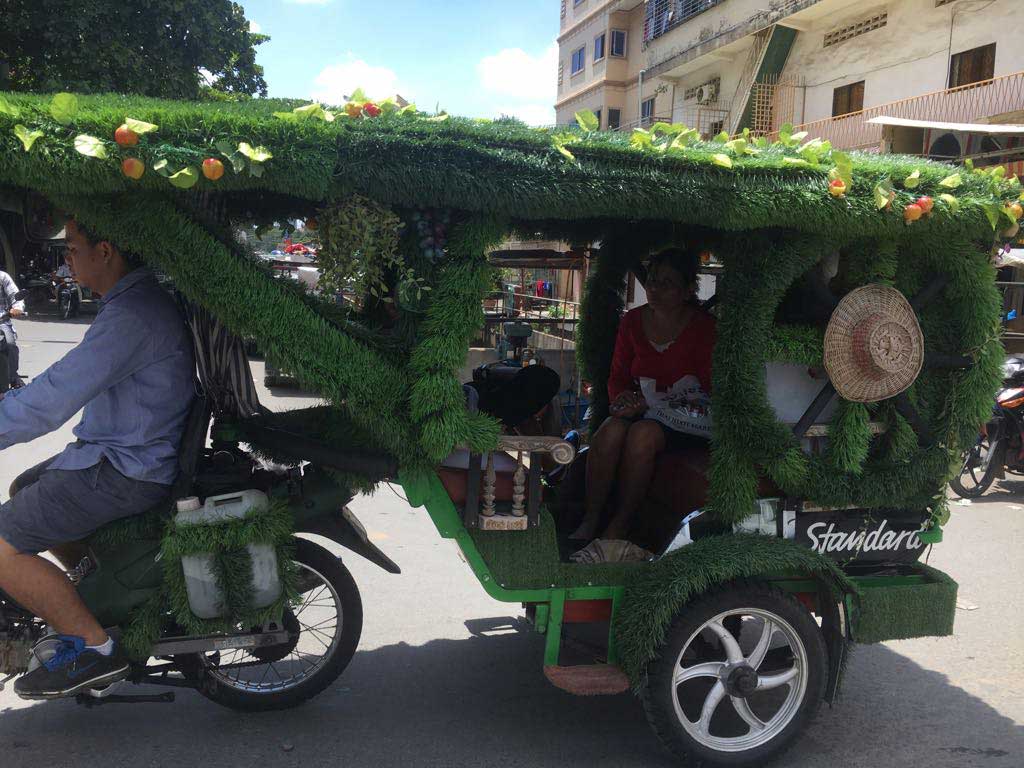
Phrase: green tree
(167,48)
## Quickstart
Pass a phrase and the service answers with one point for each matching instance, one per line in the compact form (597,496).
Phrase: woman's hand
(628,405)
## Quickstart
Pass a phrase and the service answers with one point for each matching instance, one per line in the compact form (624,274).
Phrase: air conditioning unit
(707,93)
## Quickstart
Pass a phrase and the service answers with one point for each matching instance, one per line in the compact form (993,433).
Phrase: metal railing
(964,104)
(661,16)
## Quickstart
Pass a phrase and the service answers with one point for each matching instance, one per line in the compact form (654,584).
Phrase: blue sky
(480,59)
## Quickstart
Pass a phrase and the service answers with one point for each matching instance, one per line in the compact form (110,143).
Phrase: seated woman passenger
(666,339)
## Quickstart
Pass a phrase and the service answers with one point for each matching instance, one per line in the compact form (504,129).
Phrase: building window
(599,47)
(614,117)
(662,15)
(842,34)
(576,2)
(579,60)
(972,66)
(618,43)
(849,98)
(647,110)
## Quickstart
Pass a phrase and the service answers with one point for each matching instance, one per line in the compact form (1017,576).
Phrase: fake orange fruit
(125,136)
(1016,210)
(133,168)
(912,212)
(925,203)
(837,188)
(213,168)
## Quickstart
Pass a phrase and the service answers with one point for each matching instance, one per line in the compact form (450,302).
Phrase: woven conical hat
(873,344)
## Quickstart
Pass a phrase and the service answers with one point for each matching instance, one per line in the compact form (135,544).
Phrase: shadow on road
(1010,491)
(483,701)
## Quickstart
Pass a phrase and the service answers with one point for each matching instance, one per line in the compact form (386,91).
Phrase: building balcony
(975,103)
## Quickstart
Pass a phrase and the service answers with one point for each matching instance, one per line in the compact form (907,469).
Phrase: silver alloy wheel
(739,679)
(319,618)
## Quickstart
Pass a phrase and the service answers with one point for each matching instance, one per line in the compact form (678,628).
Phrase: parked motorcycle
(68,295)
(1000,444)
(6,351)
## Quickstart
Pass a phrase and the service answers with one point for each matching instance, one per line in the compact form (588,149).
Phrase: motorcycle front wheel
(324,628)
(978,472)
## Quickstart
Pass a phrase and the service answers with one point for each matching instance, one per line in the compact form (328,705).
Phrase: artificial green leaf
(408,109)
(723,160)
(64,107)
(562,148)
(255,154)
(721,138)
(943,515)
(797,137)
(641,138)
(438,118)
(139,126)
(913,180)
(844,168)
(884,194)
(668,129)
(952,202)
(6,108)
(255,170)
(761,142)
(160,166)
(992,212)
(969,164)
(795,161)
(228,150)
(739,146)
(286,116)
(358,95)
(90,146)
(587,120)
(315,111)
(951,182)
(186,178)
(28,138)
(682,139)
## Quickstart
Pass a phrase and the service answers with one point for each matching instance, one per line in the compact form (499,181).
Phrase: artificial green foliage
(769,206)
(904,611)
(850,437)
(227,541)
(656,594)
(358,246)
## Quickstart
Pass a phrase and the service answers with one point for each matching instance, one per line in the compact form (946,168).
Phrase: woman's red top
(635,358)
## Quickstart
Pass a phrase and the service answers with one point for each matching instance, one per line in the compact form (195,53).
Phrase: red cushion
(454,474)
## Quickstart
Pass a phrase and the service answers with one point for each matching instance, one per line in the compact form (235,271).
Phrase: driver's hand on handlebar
(15,312)
(628,404)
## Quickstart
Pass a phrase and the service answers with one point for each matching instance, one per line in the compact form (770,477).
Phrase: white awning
(990,128)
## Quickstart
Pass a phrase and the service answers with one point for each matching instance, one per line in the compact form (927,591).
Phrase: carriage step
(500,522)
(588,679)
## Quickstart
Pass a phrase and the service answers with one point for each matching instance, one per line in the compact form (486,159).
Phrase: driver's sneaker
(71,669)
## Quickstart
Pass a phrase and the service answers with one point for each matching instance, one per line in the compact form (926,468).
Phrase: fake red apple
(837,188)
(371,109)
(213,168)
(912,212)
(926,204)
(125,136)
(133,168)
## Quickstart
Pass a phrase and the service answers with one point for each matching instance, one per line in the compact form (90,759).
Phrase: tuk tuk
(857,354)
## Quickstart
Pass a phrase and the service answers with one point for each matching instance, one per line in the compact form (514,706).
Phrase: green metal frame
(426,490)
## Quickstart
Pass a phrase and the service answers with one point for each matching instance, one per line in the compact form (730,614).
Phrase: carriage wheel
(741,672)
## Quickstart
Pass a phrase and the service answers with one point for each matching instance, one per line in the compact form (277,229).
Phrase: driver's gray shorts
(57,506)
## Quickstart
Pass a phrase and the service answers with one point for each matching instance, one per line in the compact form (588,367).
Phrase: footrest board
(588,679)
(903,607)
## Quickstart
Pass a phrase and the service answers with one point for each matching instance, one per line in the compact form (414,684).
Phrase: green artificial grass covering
(900,612)
(772,216)
(656,593)
(530,560)
(227,541)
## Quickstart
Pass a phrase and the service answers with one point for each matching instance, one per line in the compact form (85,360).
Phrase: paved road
(442,677)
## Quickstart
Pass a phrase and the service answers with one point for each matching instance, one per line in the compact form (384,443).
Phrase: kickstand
(94,701)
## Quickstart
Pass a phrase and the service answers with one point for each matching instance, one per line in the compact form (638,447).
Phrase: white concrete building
(729,64)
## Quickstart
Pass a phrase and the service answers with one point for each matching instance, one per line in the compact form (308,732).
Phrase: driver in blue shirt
(132,376)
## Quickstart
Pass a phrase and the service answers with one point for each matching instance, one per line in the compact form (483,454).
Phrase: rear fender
(342,527)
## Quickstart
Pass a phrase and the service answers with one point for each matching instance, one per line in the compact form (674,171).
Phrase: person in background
(666,339)
(12,308)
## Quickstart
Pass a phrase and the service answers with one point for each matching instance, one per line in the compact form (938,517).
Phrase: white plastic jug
(204,594)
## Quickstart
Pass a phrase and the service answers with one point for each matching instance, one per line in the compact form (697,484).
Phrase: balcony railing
(965,104)
(664,15)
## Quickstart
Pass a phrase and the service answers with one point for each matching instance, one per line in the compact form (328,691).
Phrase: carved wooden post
(490,480)
(519,487)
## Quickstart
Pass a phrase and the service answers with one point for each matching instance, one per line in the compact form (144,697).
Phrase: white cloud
(526,83)
(255,28)
(336,81)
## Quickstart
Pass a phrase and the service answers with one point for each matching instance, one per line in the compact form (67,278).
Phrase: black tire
(988,476)
(337,575)
(64,307)
(660,694)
